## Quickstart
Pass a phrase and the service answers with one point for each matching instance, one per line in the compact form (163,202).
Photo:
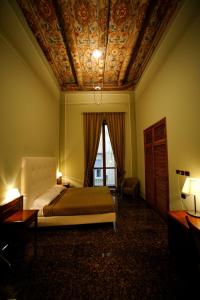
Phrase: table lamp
(192,187)
(59,177)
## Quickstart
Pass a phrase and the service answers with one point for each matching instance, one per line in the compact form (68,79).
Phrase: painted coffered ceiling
(126,32)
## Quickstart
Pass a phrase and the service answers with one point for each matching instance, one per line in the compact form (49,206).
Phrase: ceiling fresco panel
(126,32)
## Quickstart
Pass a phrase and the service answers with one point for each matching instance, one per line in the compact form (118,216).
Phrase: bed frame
(39,174)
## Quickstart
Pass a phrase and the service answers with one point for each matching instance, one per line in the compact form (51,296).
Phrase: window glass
(110,161)
(109,169)
(99,158)
(99,172)
(110,177)
(98,177)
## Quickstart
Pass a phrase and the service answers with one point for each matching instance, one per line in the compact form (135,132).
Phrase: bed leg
(115,226)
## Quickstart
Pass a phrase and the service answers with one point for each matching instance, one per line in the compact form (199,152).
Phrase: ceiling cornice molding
(87,98)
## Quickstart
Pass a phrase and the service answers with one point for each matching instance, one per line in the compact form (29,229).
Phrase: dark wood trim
(11,207)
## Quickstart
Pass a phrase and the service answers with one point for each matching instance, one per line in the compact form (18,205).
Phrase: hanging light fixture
(97,86)
(97,94)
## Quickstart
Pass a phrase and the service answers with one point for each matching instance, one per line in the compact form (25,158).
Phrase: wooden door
(149,167)
(156,166)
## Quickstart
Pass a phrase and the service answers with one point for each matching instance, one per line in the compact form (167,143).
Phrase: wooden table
(181,243)
(20,220)
(23,218)
(183,252)
(179,216)
(14,223)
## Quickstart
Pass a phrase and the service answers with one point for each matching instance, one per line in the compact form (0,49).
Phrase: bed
(59,205)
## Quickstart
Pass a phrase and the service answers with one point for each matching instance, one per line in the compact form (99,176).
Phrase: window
(105,166)
(98,172)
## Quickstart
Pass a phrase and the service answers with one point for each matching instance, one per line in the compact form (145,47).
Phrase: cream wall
(170,88)
(71,135)
(29,98)
(133,134)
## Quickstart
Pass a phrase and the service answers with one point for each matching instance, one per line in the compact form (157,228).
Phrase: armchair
(130,187)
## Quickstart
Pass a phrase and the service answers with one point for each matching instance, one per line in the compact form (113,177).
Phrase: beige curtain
(92,129)
(116,128)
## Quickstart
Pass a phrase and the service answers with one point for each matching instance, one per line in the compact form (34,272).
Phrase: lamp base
(193,213)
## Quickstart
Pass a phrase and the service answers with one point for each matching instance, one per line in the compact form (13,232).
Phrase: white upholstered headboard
(37,175)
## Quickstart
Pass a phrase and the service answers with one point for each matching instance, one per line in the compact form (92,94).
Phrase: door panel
(156,166)
(149,174)
(161,177)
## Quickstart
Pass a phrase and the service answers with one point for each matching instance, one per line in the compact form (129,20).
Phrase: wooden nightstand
(181,244)
(20,220)
(14,223)
(183,250)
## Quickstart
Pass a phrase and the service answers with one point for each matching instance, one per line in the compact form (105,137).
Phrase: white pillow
(47,197)
(59,187)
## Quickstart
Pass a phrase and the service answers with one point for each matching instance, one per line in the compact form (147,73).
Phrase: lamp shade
(58,174)
(191,186)
(59,177)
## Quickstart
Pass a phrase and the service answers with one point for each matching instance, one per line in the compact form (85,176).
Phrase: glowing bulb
(12,194)
(97,88)
(58,174)
(96,53)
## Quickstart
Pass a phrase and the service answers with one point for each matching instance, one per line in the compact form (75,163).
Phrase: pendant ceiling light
(97,53)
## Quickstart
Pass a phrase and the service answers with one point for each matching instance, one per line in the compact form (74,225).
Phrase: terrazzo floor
(94,262)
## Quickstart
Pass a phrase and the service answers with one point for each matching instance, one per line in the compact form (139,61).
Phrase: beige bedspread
(81,201)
